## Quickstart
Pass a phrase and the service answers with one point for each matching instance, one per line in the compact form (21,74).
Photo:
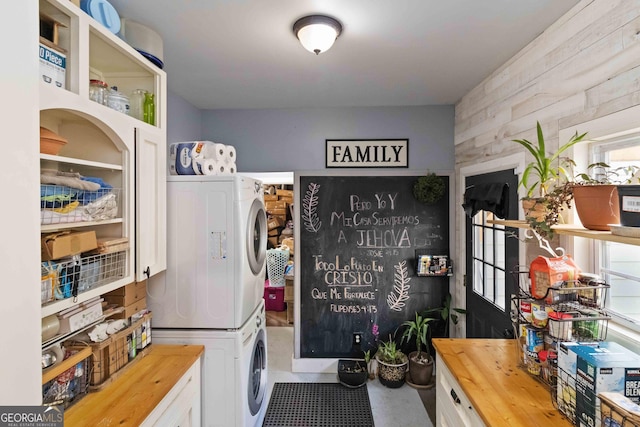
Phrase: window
(489,264)
(619,264)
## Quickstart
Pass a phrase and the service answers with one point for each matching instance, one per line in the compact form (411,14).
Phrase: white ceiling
(243,54)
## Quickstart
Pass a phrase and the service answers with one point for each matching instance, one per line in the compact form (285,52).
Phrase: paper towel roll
(231,154)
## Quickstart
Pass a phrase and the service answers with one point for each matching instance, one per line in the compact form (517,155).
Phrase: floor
(403,406)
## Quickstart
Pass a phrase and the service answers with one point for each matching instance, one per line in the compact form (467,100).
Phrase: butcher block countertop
(132,396)
(501,392)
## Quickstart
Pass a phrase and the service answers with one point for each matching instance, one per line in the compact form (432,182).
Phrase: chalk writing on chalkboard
(400,293)
(309,209)
(359,241)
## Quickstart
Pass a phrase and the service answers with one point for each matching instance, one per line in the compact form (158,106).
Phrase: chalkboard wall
(358,239)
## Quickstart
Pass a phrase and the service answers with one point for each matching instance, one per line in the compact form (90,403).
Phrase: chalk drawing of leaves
(400,293)
(309,206)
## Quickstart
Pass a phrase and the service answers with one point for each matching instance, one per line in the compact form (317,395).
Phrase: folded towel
(69,182)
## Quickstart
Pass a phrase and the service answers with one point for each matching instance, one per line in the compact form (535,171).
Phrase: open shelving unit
(575,231)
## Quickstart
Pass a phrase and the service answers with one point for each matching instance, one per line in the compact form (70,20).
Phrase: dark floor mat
(318,405)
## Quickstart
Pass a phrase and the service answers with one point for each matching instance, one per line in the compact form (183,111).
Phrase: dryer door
(257,237)
(257,374)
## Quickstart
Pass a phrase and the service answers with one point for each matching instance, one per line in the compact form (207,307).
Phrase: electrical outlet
(357,338)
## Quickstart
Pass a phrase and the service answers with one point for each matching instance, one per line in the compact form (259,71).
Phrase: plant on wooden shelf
(429,188)
(420,362)
(595,194)
(392,364)
(546,182)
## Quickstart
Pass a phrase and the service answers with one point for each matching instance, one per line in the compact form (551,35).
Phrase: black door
(490,257)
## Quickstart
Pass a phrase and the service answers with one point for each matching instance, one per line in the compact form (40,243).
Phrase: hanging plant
(429,188)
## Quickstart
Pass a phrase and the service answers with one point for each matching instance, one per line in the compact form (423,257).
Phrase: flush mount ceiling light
(317,32)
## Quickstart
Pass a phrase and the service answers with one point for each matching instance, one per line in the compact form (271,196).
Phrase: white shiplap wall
(585,66)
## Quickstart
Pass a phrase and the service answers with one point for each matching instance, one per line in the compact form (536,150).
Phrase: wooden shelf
(575,231)
(54,371)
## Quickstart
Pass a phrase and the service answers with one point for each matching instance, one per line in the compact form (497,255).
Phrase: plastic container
(118,100)
(103,12)
(629,197)
(274,298)
(98,91)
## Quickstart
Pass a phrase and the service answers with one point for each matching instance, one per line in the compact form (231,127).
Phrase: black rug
(318,405)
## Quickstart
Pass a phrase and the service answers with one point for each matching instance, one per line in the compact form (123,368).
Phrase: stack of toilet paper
(201,158)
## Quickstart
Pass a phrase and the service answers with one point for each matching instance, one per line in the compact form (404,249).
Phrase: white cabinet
(125,153)
(151,204)
(453,408)
(181,406)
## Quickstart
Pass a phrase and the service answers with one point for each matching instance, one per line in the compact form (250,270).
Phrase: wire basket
(277,260)
(60,204)
(68,387)
(70,277)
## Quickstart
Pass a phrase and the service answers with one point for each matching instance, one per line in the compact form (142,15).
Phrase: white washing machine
(216,251)
(234,379)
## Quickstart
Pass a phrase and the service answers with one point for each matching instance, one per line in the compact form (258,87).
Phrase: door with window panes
(491,254)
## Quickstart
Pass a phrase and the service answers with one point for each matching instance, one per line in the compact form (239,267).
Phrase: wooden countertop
(501,393)
(131,397)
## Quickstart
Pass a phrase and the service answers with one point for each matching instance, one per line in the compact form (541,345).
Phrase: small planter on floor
(352,373)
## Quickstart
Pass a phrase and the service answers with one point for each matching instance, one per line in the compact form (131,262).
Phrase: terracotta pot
(534,208)
(597,206)
(50,142)
(421,373)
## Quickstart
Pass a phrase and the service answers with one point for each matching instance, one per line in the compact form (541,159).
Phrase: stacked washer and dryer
(212,291)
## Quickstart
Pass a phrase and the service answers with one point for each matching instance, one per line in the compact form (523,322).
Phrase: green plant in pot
(420,362)
(429,188)
(392,364)
(595,194)
(547,183)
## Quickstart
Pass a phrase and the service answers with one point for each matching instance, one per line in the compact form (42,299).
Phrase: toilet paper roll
(231,154)
(205,167)
(231,168)
(216,151)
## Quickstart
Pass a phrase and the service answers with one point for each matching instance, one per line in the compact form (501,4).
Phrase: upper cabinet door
(151,203)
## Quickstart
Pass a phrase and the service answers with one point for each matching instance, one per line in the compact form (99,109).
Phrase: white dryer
(216,251)
(234,379)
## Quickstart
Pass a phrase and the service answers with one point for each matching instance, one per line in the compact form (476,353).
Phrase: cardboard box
(278,211)
(128,294)
(53,66)
(289,312)
(288,291)
(78,317)
(274,222)
(65,244)
(287,200)
(284,193)
(270,197)
(609,367)
(273,241)
(131,309)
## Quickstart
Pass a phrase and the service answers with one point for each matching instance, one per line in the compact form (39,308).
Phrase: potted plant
(392,364)
(420,362)
(429,188)
(352,373)
(546,182)
(595,194)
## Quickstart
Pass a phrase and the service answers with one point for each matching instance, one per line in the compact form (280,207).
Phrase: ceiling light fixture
(317,32)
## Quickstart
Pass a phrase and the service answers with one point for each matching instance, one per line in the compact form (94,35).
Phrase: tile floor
(399,407)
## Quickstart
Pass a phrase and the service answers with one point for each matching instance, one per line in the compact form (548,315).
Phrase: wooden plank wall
(584,66)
